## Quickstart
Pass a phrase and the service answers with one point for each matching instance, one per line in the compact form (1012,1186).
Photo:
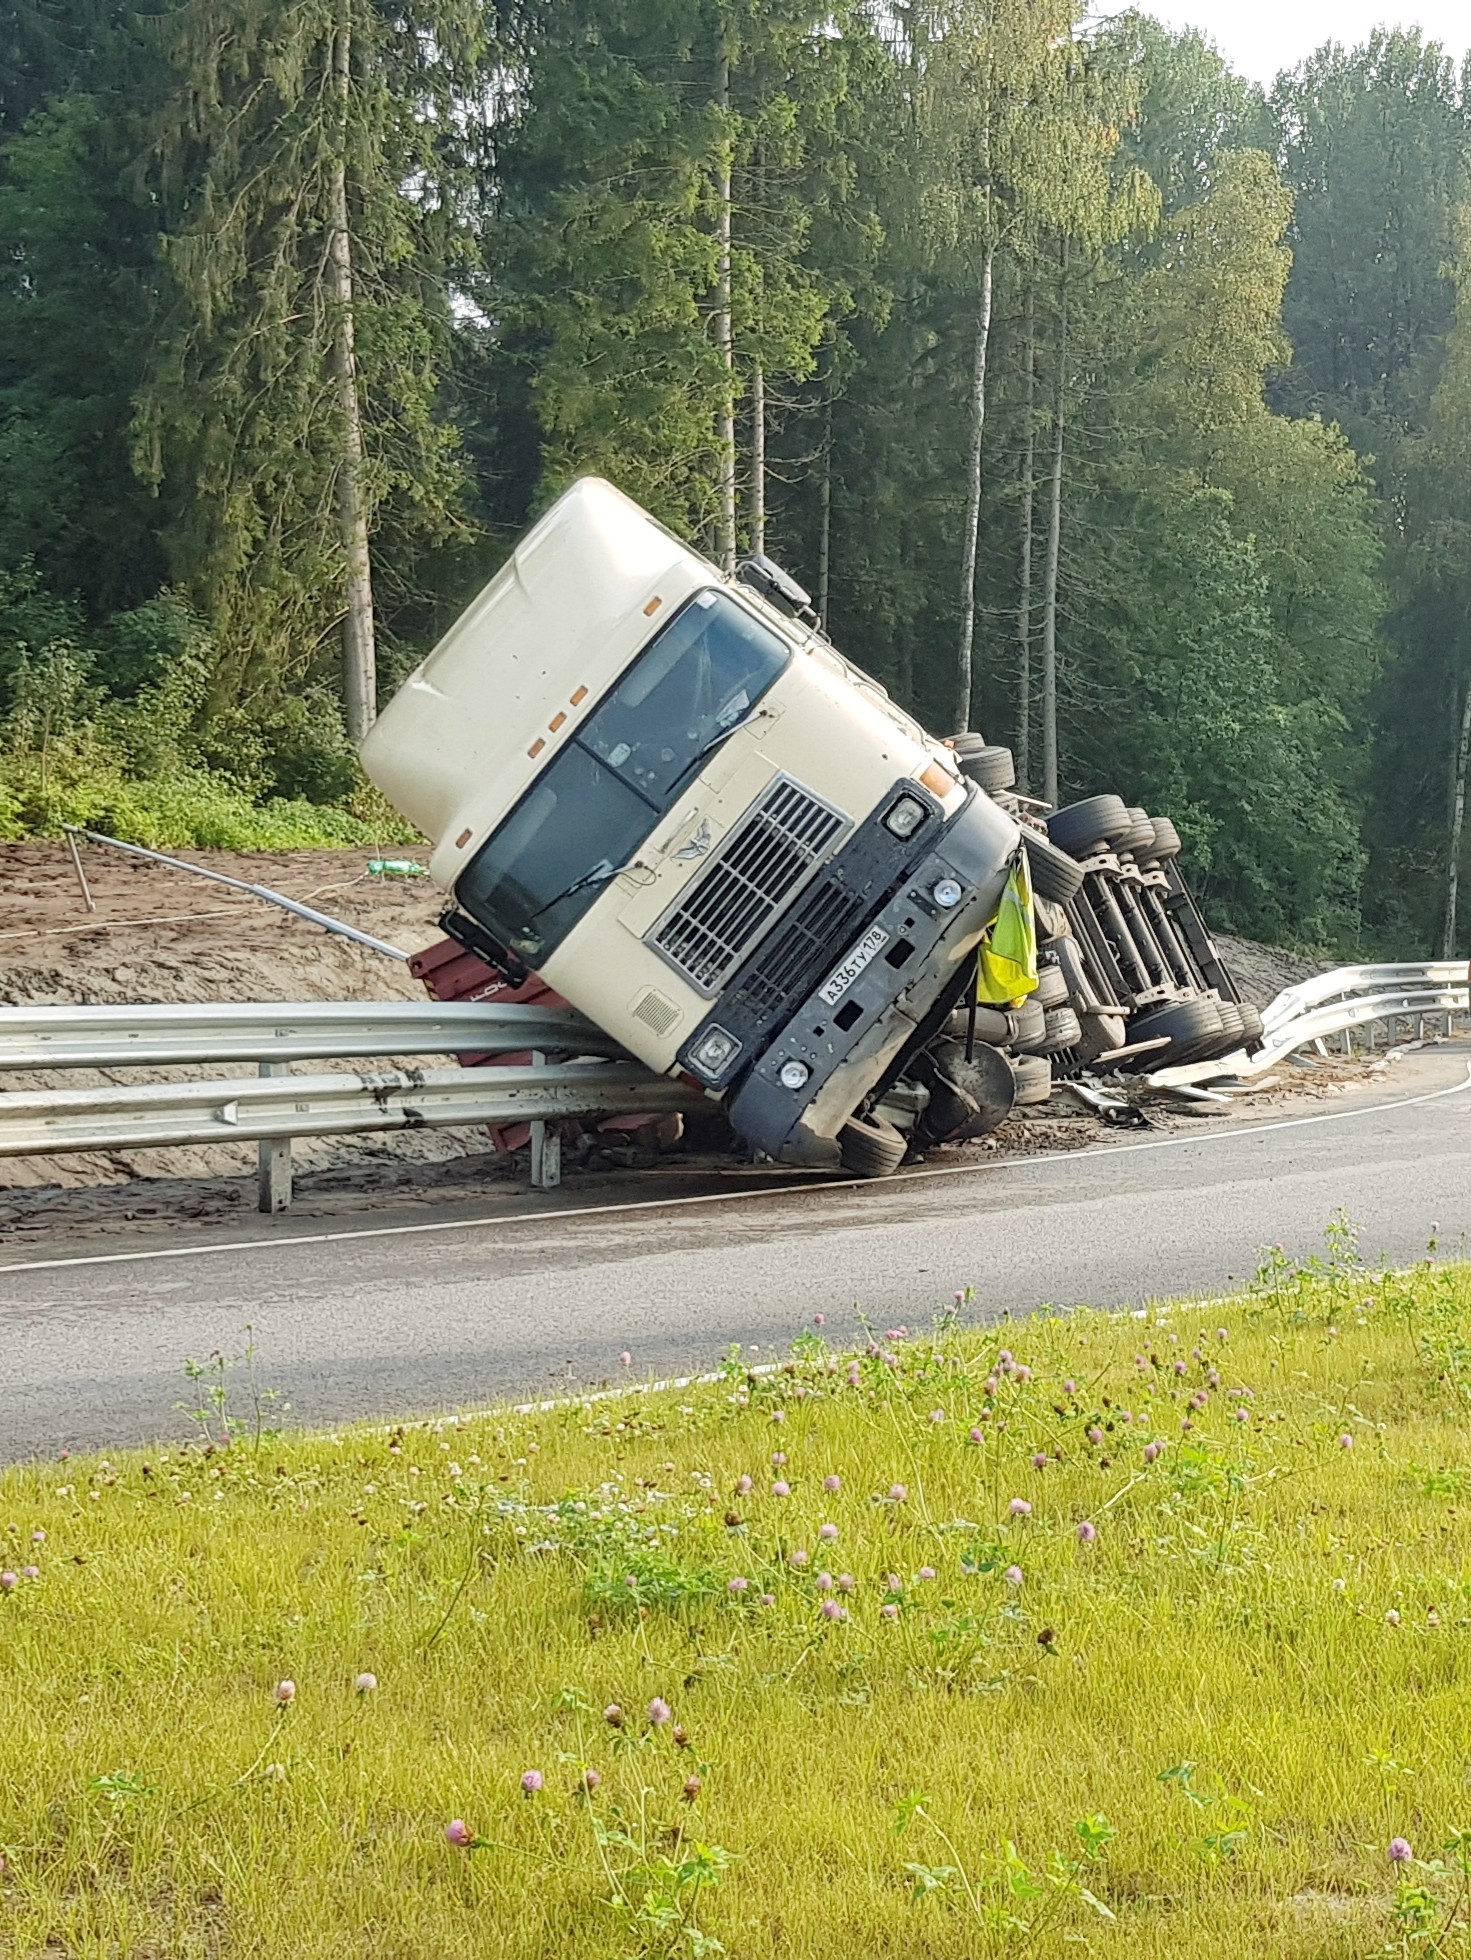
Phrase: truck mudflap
(843,1039)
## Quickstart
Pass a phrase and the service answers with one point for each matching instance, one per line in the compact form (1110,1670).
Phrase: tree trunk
(758,456)
(359,649)
(1024,579)
(825,511)
(973,497)
(1054,547)
(724,331)
(1458,818)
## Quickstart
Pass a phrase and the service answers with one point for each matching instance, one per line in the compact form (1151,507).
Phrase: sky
(1259,37)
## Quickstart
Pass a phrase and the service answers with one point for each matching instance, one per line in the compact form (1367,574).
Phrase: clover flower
(1013,1575)
(691,1788)
(743,1486)
(824,1582)
(1151,1451)
(889,1611)
(285,1693)
(737,1585)
(831,1610)
(1019,1508)
(625,1360)
(1095,1435)
(366,1683)
(832,1482)
(897,1493)
(613,1715)
(1345,1441)
(659,1711)
(778,1458)
(457,1832)
(590,1780)
(846,1582)
(1399,1851)
(530,1782)
(925,1572)
(1039,1460)
(1087,1532)
(827,1531)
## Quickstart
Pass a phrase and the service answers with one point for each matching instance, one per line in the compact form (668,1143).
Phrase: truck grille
(800,951)
(732,904)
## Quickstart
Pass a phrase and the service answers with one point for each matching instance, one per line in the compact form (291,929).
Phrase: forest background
(1104,401)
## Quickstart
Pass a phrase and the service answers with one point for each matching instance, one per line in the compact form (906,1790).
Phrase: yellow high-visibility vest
(1006,969)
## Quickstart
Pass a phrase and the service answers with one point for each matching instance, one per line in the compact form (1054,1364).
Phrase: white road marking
(1007,1164)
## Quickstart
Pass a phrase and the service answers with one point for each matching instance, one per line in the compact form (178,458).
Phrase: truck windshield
(591,808)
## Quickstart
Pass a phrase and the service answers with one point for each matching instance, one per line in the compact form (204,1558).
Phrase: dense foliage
(1103,401)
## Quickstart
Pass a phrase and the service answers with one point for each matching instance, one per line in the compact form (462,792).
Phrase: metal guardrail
(1346,982)
(285,1031)
(151,1114)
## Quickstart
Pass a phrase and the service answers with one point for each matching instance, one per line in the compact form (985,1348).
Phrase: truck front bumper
(852,1027)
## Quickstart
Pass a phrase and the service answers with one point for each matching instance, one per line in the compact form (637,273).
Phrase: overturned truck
(660,793)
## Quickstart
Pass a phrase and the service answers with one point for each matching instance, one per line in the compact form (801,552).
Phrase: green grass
(1195,1735)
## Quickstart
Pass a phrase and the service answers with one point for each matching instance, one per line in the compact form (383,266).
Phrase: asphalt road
(405,1319)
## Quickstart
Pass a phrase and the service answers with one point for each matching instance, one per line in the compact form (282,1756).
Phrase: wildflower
(1391,1618)
(1019,1508)
(893,1583)
(978,1435)
(897,1493)
(743,1486)
(625,1360)
(1399,1851)
(1039,1461)
(937,1415)
(1070,1388)
(366,1683)
(780,1489)
(1345,1441)
(1087,1532)
(824,1582)
(828,1531)
(8,1582)
(819,1319)
(800,1556)
(832,1483)
(778,1415)
(659,1711)
(1095,1435)
(889,1611)
(691,1788)
(1179,1367)
(1151,1451)
(1432,1618)
(846,1582)
(1024,1374)
(778,1458)
(990,1385)
(1013,1575)
(737,1585)
(1126,1415)
(457,1832)
(1241,1415)
(1340,1585)
(285,1693)
(38,1536)
(1004,1358)
(831,1610)
(925,1572)
(530,1782)
(613,1715)
(1221,1334)
(30,1572)
(590,1780)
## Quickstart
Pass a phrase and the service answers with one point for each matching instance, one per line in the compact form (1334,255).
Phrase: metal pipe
(243,885)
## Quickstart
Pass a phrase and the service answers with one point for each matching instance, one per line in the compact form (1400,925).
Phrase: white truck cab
(664,791)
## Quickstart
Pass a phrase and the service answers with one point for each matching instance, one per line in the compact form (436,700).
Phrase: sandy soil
(160,935)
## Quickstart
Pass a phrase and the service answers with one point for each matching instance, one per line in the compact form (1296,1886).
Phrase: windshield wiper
(724,735)
(600,875)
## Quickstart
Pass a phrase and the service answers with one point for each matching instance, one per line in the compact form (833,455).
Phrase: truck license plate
(842,978)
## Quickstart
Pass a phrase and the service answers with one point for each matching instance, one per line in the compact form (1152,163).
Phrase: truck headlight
(715,1051)
(794,1075)
(946,894)
(905,817)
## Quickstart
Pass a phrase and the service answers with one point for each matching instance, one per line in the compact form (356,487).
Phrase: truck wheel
(1033,1079)
(991,1025)
(1080,828)
(1193,1026)
(1166,841)
(870,1147)
(993,768)
(1063,1031)
(1055,875)
(1101,1032)
(1251,1024)
(1139,840)
(1028,1026)
(967,1098)
(1052,987)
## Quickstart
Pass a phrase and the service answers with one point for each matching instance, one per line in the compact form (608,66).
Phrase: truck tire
(969,744)
(968,1099)
(1028,1026)
(870,1147)
(1052,987)
(1033,1080)
(1251,1024)
(990,1025)
(1055,875)
(1101,1032)
(1233,1023)
(1079,828)
(1139,840)
(1193,1027)
(1166,841)
(993,768)
(1063,1031)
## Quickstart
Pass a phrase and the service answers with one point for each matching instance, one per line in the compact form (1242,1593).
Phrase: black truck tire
(1080,828)
(1063,1031)
(1251,1024)
(1138,841)
(1055,875)
(991,1024)
(993,768)
(1028,1026)
(1052,987)
(1193,1027)
(1033,1080)
(870,1147)
(1166,841)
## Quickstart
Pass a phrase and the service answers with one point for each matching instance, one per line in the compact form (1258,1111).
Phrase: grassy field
(1145,1637)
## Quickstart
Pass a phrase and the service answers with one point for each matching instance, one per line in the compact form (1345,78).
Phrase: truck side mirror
(777,587)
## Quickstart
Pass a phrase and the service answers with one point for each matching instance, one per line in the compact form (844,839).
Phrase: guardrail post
(274,1155)
(546,1146)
